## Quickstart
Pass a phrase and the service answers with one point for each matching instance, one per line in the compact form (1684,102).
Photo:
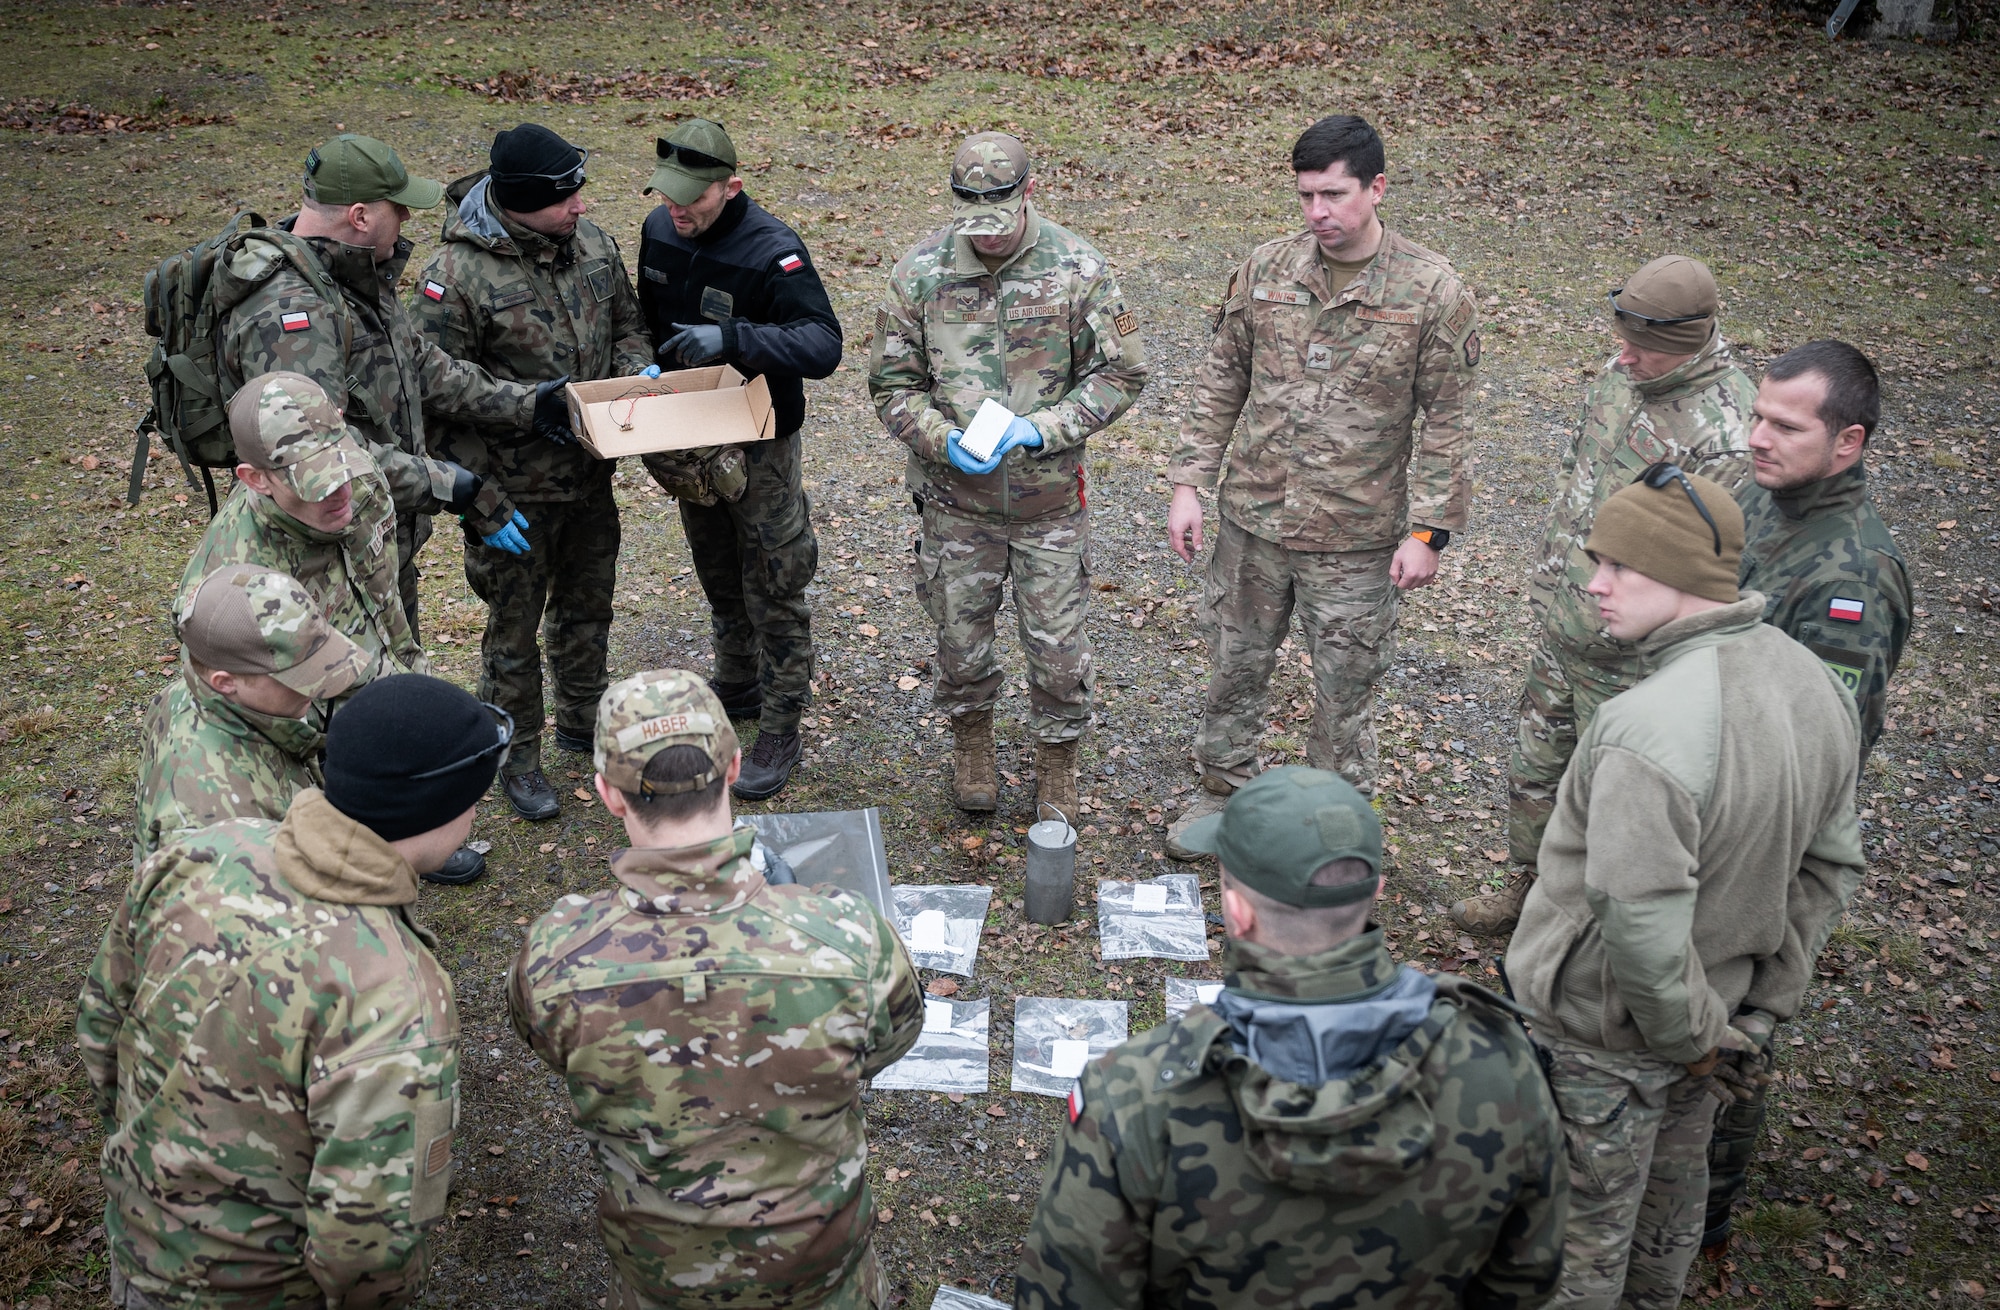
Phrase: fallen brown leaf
(1916,1160)
(942,987)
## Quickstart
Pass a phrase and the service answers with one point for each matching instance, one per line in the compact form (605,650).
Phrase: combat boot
(1055,778)
(1495,913)
(1209,798)
(975,772)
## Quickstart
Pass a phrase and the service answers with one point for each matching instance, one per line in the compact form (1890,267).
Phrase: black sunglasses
(569,180)
(666,149)
(1618,312)
(1659,475)
(989,195)
(504,722)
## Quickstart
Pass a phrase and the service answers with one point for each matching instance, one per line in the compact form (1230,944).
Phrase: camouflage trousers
(961,567)
(560,590)
(863,1289)
(1636,1127)
(1347,608)
(1738,1125)
(755,557)
(1562,694)
(412,531)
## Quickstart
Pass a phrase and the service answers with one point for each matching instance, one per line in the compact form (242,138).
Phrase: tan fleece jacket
(1703,845)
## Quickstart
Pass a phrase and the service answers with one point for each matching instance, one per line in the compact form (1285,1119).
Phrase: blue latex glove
(691,343)
(650,371)
(1019,433)
(512,538)
(961,458)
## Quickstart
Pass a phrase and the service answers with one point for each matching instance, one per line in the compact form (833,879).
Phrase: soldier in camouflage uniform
(278,1104)
(1003,304)
(1673,393)
(1330,1130)
(1835,582)
(714,1030)
(228,741)
(1329,345)
(528,288)
(317,296)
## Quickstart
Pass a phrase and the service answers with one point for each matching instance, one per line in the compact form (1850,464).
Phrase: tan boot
(975,782)
(1055,778)
(1207,800)
(1495,913)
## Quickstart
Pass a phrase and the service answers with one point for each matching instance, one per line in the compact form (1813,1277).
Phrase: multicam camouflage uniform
(1190,1176)
(714,1031)
(527,307)
(1326,478)
(373,365)
(1048,335)
(1697,416)
(278,1105)
(351,574)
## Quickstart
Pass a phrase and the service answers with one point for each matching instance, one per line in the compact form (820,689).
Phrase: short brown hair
(676,764)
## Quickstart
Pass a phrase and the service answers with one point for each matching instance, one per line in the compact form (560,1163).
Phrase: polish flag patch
(297,321)
(1076,1102)
(1847,611)
(791,263)
(433,291)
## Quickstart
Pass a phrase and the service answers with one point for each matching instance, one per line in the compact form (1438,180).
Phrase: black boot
(768,766)
(580,742)
(531,796)
(465,865)
(740,700)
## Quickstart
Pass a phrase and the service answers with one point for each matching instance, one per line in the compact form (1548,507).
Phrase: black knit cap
(525,165)
(396,728)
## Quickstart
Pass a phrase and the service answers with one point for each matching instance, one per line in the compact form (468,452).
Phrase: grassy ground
(1835,189)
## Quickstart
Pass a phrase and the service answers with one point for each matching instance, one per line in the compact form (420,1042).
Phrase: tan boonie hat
(648,712)
(246,619)
(1669,305)
(987,193)
(693,157)
(283,422)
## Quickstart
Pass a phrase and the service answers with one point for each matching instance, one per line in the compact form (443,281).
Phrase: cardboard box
(711,406)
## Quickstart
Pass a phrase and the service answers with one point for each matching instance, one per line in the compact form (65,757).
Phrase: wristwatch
(1435,538)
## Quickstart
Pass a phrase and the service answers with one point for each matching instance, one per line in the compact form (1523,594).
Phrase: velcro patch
(1847,611)
(1126,323)
(1850,677)
(1280,296)
(1457,316)
(437,1158)
(1018,312)
(513,298)
(700,723)
(791,263)
(1319,356)
(1373,314)
(296,321)
(1076,1101)
(433,290)
(1472,351)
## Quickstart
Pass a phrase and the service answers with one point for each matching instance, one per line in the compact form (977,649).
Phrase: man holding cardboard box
(1002,345)
(724,282)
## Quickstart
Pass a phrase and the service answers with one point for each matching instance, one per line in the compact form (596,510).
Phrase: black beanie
(523,163)
(396,728)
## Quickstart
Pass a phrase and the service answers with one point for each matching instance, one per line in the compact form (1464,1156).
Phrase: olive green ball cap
(1285,825)
(683,182)
(356,170)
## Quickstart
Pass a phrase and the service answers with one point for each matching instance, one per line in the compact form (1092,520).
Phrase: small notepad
(1149,898)
(988,426)
(1067,1057)
(930,930)
(937,1016)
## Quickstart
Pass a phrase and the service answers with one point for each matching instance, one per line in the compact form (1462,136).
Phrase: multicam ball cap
(246,619)
(354,170)
(993,167)
(643,714)
(284,423)
(683,182)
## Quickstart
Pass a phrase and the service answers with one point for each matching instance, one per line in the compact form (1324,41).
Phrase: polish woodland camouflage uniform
(714,1030)
(373,365)
(1049,336)
(1697,416)
(528,307)
(1432,1176)
(278,1105)
(1327,476)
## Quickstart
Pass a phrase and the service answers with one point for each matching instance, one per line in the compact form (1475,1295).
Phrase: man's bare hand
(1184,522)
(1415,564)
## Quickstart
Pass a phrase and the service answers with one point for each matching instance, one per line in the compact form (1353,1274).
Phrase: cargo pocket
(1598,1139)
(1368,642)
(925,560)
(431,1180)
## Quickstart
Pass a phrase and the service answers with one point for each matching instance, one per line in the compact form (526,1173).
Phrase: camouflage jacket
(278,1104)
(1048,335)
(1189,1176)
(715,1030)
(1329,386)
(526,307)
(374,366)
(352,574)
(1698,416)
(203,759)
(1834,581)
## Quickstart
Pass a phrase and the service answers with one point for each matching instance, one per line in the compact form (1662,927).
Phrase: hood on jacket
(472,219)
(295,737)
(1701,370)
(330,857)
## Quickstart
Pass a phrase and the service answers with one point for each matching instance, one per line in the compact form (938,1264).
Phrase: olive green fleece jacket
(1703,845)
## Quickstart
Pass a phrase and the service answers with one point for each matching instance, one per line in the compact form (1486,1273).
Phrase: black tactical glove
(552,411)
(465,486)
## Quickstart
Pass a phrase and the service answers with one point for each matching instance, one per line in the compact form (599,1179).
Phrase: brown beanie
(1659,532)
(1672,286)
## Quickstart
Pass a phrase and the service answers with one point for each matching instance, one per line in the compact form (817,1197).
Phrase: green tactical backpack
(183,313)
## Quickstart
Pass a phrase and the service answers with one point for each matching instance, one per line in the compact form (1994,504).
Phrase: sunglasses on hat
(667,150)
(1659,475)
(1633,314)
(973,195)
(569,180)
(503,722)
